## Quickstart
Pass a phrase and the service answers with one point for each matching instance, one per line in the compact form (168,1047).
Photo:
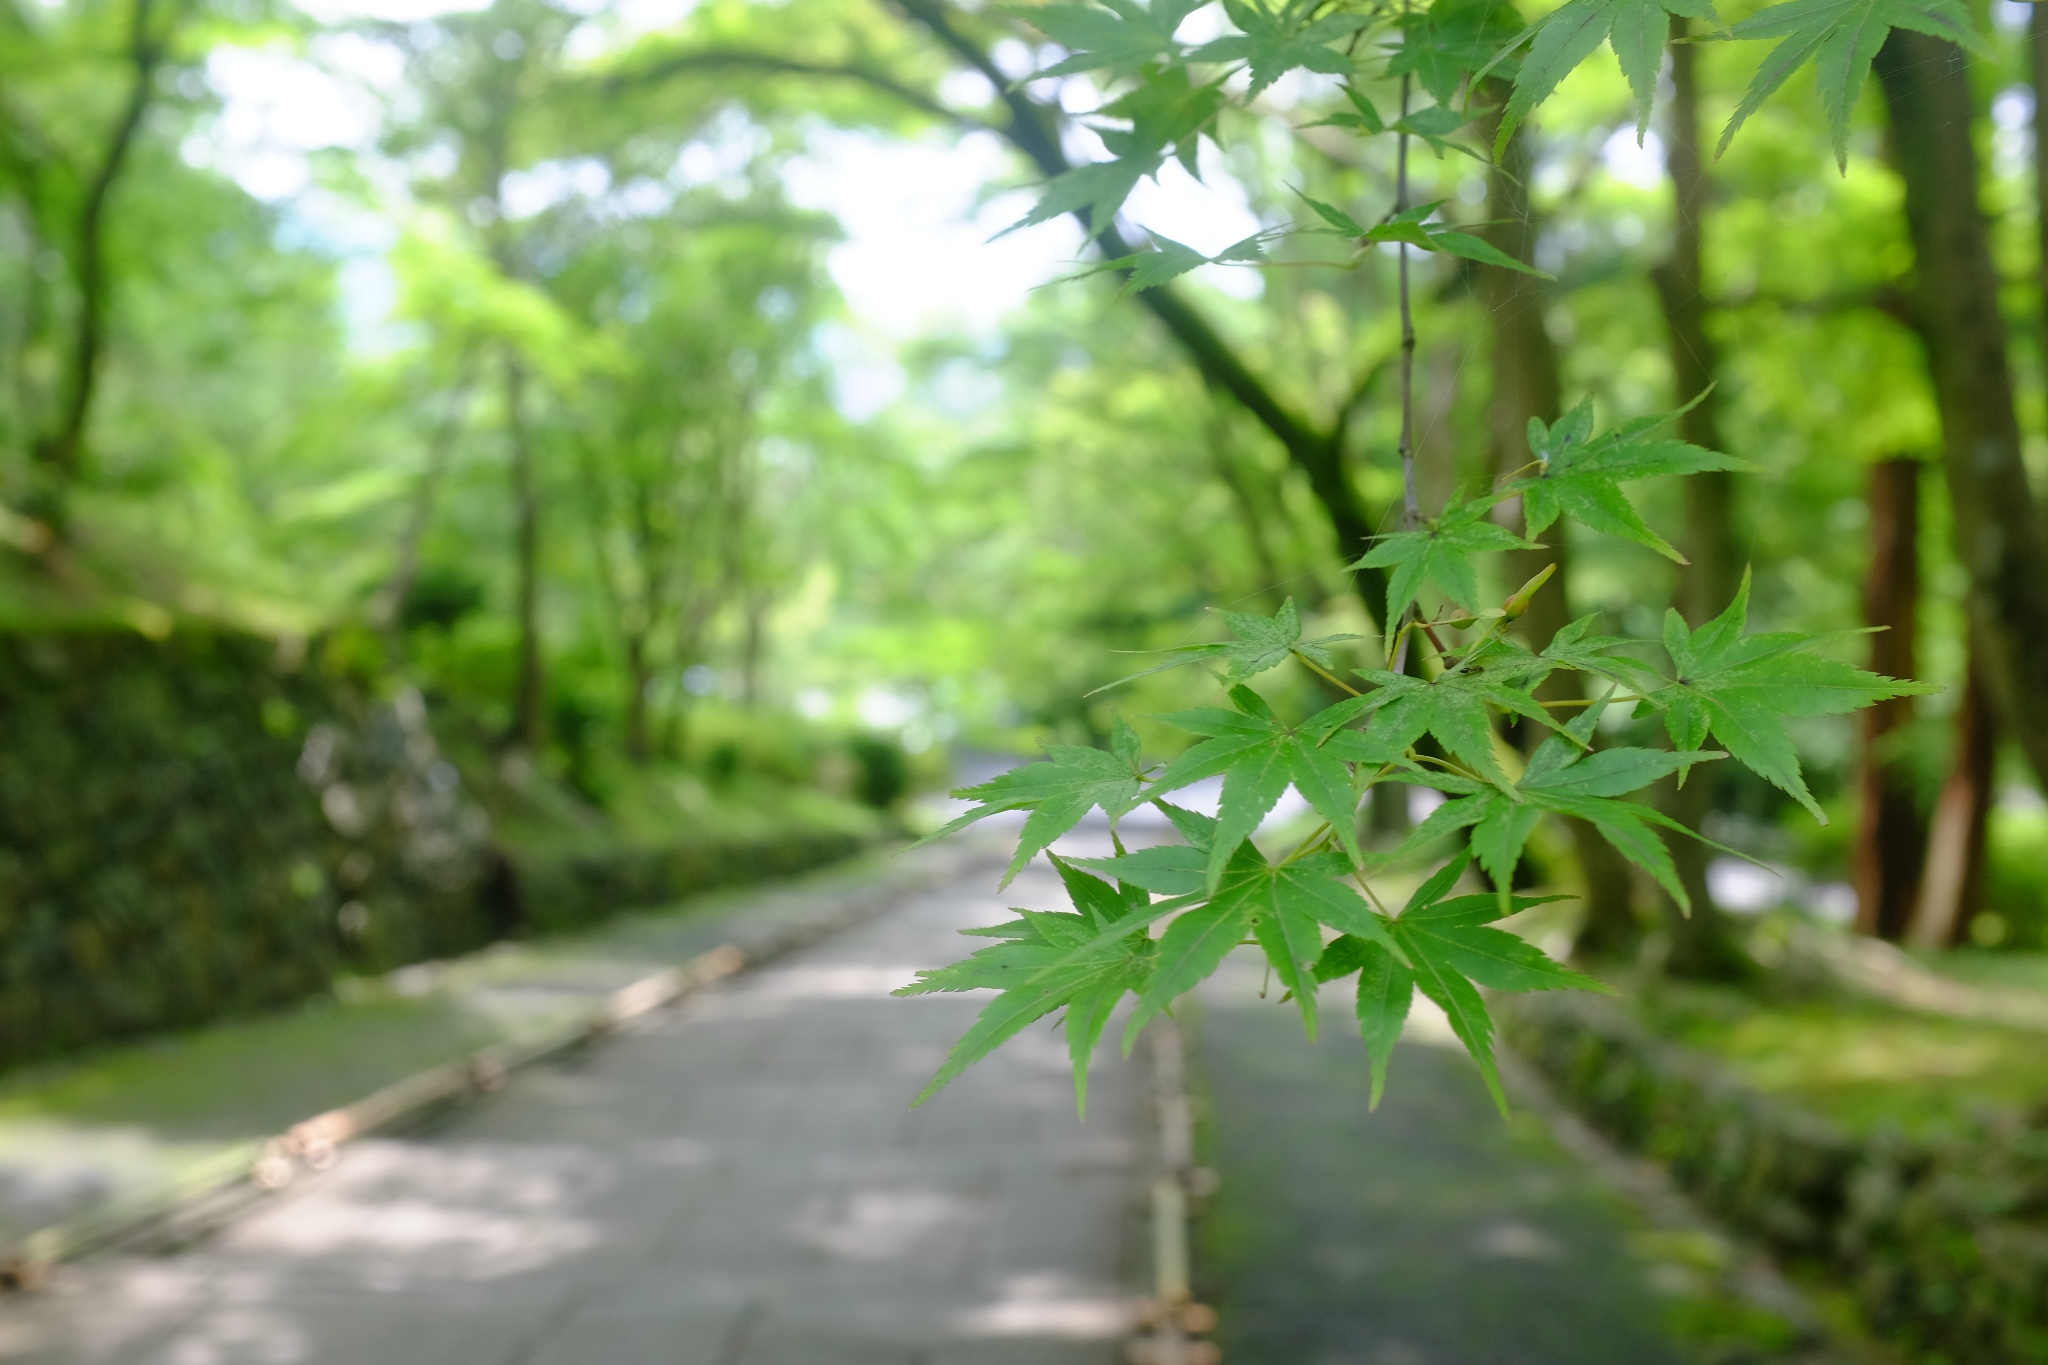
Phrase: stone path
(739,1183)
(119,1132)
(1427,1233)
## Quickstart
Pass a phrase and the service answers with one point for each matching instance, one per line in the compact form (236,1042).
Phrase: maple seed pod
(1519,603)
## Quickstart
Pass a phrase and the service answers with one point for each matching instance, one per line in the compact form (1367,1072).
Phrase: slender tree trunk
(1702,944)
(1998,532)
(753,647)
(1955,843)
(60,451)
(639,678)
(1712,544)
(527,723)
(1890,836)
(390,603)
(1527,383)
(2037,42)
(1249,511)
(1317,452)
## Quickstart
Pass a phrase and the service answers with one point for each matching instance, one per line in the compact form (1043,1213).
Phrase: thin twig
(1315,837)
(1410,506)
(1325,674)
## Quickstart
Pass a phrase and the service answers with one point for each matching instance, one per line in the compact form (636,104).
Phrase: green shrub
(881,770)
(208,824)
(2015,913)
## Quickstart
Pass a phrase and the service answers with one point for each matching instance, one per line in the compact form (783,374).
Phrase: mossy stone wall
(160,859)
(211,823)
(1943,1245)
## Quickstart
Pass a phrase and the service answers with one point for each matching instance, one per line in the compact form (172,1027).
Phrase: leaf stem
(1325,674)
(1316,836)
(1455,769)
(1589,701)
(1410,505)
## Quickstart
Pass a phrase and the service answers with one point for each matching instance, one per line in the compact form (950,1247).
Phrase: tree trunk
(1955,841)
(1702,944)
(753,647)
(527,728)
(1997,527)
(60,451)
(1890,836)
(1317,452)
(2037,42)
(1527,383)
(639,678)
(1712,544)
(389,606)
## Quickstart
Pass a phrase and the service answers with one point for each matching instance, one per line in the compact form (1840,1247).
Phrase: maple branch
(1411,510)
(1318,454)
(748,59)
(1325,674)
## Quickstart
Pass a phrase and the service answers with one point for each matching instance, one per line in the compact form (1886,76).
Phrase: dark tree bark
(528,724)
(1711,542)
(1527,383)
(1702,944)
(2037,43)
(1998,532)
(1954,874)
(60,451)
(390,604)
(1318,452)
(1033,129)
(639,680)
(1890,835)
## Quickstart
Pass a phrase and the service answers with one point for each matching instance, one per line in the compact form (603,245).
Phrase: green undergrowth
(2017,971)
(248,1077)
(1860,1064)
(125,1120)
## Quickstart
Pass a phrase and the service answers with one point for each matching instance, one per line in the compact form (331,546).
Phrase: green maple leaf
(1453,707)
(1409,225)
(1563,778)
(1363,116)
(1169,260)
(1280,906)
(1386,988)
(1439,553)
(1048,960)
(1259,758)
(1574,646)
(1098,189)
(1167,113)
(1262,642)
(1169,110)
(1444,946)
(1442,44)
(1739,689)
(1270,45)
(1567,36)
(1581,474)
(1058,792)
(1117,35)
(1841,37)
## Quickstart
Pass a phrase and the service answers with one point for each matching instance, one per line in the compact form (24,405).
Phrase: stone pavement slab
(1429,1232)
(130,1127)
(739,1181)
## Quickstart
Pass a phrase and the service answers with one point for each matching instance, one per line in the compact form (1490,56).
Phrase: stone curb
(218,1190)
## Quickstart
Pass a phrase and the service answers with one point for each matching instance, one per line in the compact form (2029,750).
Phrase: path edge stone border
(219,1191)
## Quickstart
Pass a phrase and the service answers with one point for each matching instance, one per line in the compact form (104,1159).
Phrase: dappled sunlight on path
(740,1181)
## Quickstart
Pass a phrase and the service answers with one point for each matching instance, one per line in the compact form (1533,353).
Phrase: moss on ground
(1859,1064)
